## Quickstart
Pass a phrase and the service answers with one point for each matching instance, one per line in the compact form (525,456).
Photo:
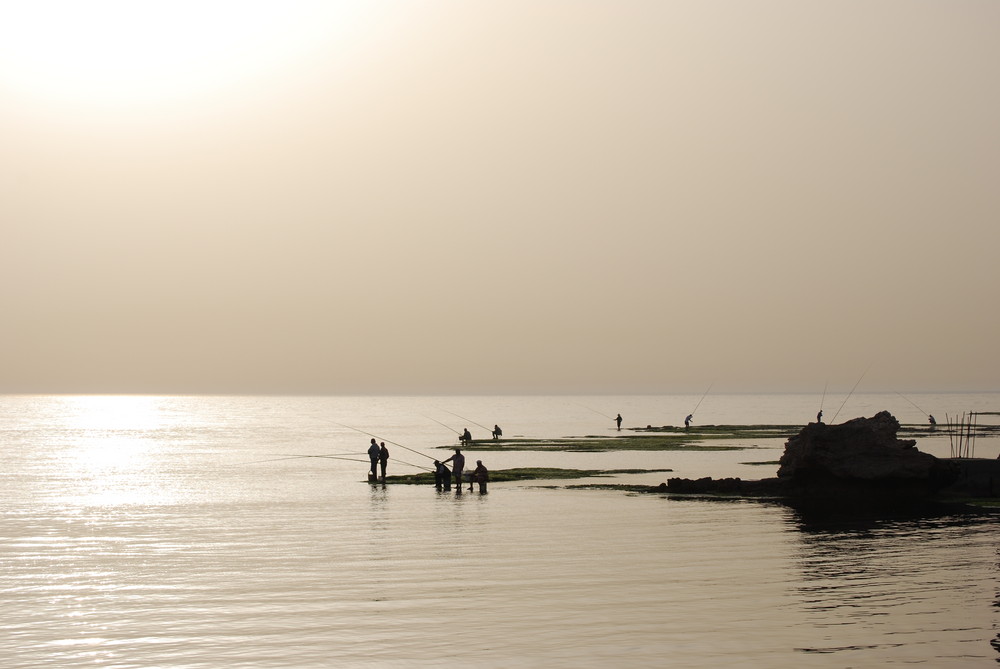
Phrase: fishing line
(850,393)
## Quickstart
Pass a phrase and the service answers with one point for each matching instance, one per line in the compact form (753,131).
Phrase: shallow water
(182,532)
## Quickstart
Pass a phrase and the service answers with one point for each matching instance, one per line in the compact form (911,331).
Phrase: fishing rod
(601,413)
(296,457)
(375,436)
(912,402)
(337,457)
(702,398)
(823,398)
(488,429)
(850,393)
(443,424)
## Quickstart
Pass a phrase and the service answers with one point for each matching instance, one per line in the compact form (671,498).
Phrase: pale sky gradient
(499,197)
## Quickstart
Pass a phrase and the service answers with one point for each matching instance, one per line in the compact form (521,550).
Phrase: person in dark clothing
(819,416)
(618,420)
(373,452)
(458,464)
(497,432)
(687,421)
(466,436)
(481,476)
(383,459)
(442,476)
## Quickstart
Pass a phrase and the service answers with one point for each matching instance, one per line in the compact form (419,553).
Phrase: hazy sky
(491,197)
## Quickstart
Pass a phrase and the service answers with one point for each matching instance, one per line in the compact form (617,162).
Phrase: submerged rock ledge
(860,460)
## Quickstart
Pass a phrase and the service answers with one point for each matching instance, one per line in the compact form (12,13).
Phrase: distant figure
(442,476)
(466,436)
(383,458)
(458,464)
(618,420)
(497,432)
(373,452)
(687,421)
(819,416)
(930,418)
(481,476)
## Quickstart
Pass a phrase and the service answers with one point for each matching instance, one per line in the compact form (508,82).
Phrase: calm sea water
(189,532)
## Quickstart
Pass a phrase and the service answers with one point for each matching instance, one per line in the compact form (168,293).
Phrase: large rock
(860,456)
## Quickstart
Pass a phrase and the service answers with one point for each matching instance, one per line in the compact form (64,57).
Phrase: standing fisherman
(458,464)
(687,421)
(383,458)
(618,420)
(373,453)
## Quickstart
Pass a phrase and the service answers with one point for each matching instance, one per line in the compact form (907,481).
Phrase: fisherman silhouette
(458,464)
(687,421)
(819,416)
(373,452)
(497,432)
(618,420)
(383,458)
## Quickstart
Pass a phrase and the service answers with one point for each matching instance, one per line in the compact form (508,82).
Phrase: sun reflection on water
(110,453)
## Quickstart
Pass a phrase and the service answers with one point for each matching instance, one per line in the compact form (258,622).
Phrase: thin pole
(442,424)
(601,413)
(375,436)
(849,394)
(912,402)
(702,398)
(490,429)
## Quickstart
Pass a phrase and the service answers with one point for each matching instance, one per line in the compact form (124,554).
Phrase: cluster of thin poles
(962,434)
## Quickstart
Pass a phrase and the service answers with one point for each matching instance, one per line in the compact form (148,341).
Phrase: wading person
(481,476)
(442,476)
(457,465)
(373,452)
(383,459)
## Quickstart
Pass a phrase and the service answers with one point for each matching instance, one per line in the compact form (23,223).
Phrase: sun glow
(115,53)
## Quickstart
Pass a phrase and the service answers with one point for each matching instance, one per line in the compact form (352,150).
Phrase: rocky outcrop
(861,458)
(861,454)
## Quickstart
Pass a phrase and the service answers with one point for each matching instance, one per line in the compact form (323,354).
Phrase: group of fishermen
(442,475)
(379,456)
